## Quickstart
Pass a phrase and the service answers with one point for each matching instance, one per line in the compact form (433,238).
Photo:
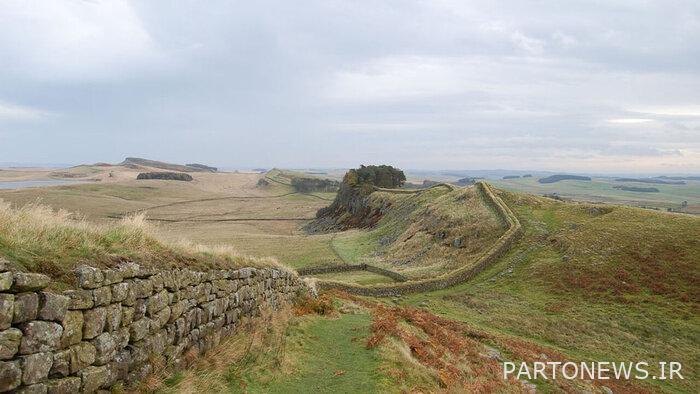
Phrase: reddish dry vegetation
(307,305)
(463,358)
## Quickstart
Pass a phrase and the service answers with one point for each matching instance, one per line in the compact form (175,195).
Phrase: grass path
(326,355)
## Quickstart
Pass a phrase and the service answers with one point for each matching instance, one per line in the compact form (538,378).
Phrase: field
(584,282)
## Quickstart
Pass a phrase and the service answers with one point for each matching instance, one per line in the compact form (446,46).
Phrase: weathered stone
(139,309)
(127,315)
(27,281)
(10,375)
(5,281)
(7,302)
(121,337)
(52,306)
(26,307)
(112,276)
(94,322)
(128,270)
(142,288)
(9,343)
(89,277)
(119,367)
(114,317)
(176,310)
(93,378)
(160,319)
(82,355)
(39,388)
(102,296)
(156,303)
(120,291)
(79,299)
(139,329)
(40,336)
(105,348)
(72,328)
(36,367)
(69,385)
(61,364)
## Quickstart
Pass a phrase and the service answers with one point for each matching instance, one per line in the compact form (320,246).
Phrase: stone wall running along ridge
(110,328)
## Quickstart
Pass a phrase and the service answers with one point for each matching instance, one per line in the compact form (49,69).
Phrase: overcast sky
(604,86)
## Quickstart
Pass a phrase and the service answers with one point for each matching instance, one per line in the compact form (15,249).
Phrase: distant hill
(557,178)
(665,181)
(131,161)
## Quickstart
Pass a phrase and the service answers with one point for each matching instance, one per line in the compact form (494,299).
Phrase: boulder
(93,378)
(89,277)
(69,385)
(26,307)
(114,317)
(79,299)
(105,348)
(7,302)
(82,355)
(102,296)
(27,281)
(52,306)
(72,328)
(40,336)
(36,367)
(94,322)
(10,375)
(9,343)
(5,281)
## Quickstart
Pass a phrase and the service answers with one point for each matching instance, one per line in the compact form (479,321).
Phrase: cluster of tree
(380,176)
(310,185)
(166,176)
(557,178)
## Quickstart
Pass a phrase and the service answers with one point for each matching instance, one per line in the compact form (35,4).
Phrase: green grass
(358,277)
(328,355)
(601,190)
(597,283)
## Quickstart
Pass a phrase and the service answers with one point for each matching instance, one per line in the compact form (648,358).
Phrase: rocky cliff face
(117,321)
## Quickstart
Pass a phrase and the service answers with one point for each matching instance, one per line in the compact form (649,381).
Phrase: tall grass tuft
(41,239)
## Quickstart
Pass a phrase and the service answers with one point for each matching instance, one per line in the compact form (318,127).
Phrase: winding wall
(460,275)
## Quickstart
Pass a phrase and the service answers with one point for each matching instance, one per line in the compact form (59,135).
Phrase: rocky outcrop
(117,321)
(166,176)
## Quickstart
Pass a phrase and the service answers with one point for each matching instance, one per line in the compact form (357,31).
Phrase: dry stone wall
(110,328)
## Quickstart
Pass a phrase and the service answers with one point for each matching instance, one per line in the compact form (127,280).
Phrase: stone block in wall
(5,281)
(112,276)
(114,317)
(160,319)
(89,277)
(142,288)
(128,270)
(102,296)
(26,307)
(7,302)
(94,322)
(38,388)
(157,302)
(26,281)
(119,366)
(52,306)
(140,309)
(82,356)
(120,291)
(127,315)
(9,343)
(176,310)
(121,337)
(139,329)
(93,378)
(105,348)
(61,364)
(79,299)
(40,336)
(10,375)
(36,367)
(69,385)
(72,328)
